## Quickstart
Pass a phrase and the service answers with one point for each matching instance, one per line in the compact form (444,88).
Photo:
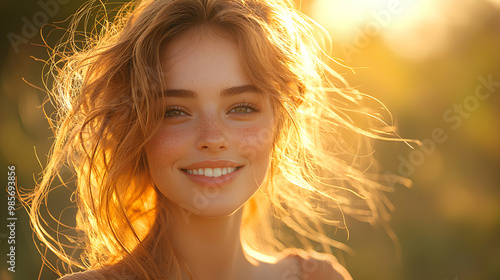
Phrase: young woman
(209,141)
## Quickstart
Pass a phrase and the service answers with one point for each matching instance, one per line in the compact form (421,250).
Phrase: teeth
(211,172)
(217,172)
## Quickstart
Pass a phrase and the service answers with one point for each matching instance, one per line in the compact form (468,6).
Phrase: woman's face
(213,149)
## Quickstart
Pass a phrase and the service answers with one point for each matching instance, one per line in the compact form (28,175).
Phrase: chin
(217,204)
(194,199)
(218,211)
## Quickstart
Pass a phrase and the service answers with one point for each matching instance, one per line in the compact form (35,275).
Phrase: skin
(206,221)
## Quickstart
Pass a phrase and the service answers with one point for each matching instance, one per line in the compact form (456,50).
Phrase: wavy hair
(104,92)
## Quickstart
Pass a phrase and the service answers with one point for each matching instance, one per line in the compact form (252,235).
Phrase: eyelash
(173,109)
(250,106)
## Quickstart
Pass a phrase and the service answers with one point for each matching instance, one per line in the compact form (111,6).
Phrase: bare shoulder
(86,275)
(317,266)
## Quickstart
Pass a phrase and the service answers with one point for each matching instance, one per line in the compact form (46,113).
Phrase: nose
(212,135)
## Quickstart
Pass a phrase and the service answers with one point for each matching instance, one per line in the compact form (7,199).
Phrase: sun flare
(402,23)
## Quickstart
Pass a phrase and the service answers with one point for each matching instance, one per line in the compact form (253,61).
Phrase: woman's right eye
(173,112)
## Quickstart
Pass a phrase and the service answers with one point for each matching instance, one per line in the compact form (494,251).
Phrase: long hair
(105,92)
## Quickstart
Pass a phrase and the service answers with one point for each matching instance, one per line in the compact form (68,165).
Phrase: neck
(211,247)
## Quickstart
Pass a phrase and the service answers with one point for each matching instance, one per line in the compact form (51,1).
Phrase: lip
(213,182)
(213,164)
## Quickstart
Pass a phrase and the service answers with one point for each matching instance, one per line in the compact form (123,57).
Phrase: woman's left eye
(244,108)
(241,110)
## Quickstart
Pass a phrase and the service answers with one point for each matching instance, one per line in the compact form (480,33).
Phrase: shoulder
(317,266)
(86,275)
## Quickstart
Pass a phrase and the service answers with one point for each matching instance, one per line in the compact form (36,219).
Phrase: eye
(175,111)
(244,108)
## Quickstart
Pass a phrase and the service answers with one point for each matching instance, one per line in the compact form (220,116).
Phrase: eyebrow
(226,92)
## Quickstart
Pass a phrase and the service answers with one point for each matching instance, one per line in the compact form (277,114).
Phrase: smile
(211,172)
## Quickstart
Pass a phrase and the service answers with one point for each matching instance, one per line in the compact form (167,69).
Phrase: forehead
(202,57)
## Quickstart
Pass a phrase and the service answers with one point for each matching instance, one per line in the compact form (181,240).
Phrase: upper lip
(213,164)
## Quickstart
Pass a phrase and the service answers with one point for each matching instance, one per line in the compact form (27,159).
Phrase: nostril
(212,142)
(213,147)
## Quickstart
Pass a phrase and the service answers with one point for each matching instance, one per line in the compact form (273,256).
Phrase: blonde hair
(322,167)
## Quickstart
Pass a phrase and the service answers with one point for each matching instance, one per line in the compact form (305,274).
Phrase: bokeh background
(434,63)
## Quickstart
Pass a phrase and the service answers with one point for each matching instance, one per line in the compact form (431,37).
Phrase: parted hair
(105,91)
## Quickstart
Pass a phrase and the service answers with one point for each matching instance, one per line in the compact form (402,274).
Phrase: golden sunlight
(495,2)
(404,24)
(343,17)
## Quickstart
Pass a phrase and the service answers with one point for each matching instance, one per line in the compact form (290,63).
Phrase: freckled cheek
(166,147)
(254,142)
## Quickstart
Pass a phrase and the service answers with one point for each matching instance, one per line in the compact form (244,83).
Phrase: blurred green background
(434,63)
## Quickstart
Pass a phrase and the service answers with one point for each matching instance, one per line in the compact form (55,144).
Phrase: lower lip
(213,182)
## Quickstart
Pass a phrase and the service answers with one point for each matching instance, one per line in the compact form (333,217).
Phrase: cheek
(254,142)
(166,147)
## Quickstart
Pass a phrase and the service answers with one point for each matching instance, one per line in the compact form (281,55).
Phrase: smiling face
(212,151)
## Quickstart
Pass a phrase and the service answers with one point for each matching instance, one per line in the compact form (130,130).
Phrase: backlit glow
(404,24)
